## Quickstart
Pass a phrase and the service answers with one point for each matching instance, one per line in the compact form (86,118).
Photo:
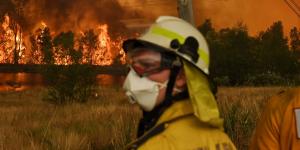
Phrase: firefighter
(169,80)
(279,125)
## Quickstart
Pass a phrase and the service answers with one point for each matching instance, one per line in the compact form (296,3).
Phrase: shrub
(68,84)
(267,78)
(223,81)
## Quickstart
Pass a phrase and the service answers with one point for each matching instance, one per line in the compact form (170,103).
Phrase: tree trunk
(16,47)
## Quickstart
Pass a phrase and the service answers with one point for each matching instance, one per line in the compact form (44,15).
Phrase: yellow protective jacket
(279,126)
(179,129)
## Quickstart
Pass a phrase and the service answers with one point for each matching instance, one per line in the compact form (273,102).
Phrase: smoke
(151,9)
(6,6)
(256,14)
(75,15)
(80,15)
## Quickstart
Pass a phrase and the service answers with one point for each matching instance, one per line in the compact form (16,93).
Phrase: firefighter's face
(147,63)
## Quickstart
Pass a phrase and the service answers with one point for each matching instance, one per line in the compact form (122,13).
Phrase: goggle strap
(169,61)
(177,62)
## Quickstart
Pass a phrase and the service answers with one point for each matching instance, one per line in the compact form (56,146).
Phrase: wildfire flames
(11,43)
(97,47)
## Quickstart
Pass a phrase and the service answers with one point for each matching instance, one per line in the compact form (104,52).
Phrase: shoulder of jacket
(191,126)
(168,141)
(288,94)
(281,92)
(178,132)
(289,91)
(281,100)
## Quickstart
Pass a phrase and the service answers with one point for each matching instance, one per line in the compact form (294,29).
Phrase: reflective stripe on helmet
(173,35)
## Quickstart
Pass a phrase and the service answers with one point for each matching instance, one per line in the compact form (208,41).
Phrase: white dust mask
(142,90)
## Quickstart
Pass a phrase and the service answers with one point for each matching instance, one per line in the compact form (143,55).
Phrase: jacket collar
(178,109)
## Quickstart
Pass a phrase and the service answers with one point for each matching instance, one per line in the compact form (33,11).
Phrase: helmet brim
(132,44)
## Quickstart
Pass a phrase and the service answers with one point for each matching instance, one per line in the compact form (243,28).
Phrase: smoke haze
(256,14)
(64,15)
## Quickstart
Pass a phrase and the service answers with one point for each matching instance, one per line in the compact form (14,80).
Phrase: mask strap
(163,85)
(170,86)
(150,118)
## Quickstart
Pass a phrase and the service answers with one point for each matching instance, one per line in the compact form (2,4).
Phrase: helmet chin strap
(150,118)
(170,86)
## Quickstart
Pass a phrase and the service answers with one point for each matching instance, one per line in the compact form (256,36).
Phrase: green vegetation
(266,59)
(68,83)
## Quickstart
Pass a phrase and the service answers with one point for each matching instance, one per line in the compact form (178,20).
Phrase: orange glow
(5,23)
(7,41)
(105,52)
(43,25)
(102,55)
(11,40)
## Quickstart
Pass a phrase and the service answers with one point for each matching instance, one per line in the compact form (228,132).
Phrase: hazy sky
(256,14)
(63,15)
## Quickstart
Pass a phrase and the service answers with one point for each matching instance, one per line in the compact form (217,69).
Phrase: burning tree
(71,82)
(30,41)
(96,45)
(11,40)
(87,43)
(64,50)
(74,79)
(46,45)
(102,55)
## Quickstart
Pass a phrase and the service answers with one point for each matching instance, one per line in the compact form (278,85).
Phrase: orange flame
(43,25)
(11,41)
(7,41)
(102,54)
(105,52)
(5,24)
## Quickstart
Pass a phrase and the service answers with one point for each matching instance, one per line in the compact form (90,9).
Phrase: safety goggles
(146,61)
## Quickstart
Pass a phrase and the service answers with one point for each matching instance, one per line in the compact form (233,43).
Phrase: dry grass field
(107,121)
(27,122)
(241,108)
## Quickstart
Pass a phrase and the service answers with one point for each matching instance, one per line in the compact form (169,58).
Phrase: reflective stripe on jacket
(181,130)
(279,126)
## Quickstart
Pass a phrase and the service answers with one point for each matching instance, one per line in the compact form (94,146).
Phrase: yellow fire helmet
(167,34)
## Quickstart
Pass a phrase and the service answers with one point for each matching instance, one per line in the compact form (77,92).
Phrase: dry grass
(108,121)
(241,108)
(27,122)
